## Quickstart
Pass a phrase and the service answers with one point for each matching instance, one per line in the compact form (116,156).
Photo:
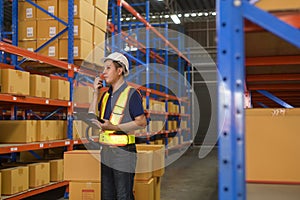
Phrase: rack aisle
(231,85)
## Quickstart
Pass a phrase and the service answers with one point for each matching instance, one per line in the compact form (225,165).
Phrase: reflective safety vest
(108,136)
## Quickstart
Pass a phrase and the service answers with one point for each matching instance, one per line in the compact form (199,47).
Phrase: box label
(76,51)
(51,9)
(29,13)
(51,51)
(88,194)
(29,32)
(75,10)
(76,30)
(52,31)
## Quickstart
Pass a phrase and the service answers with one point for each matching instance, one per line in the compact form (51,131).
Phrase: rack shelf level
(11,148)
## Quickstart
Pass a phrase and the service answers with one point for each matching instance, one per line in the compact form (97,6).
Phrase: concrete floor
(192,178)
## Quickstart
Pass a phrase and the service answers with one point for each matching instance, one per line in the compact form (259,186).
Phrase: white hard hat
(120,58)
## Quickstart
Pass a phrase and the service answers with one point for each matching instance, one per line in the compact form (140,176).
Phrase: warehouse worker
(122,111)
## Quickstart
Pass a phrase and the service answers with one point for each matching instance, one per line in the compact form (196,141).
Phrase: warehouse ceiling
(176,6)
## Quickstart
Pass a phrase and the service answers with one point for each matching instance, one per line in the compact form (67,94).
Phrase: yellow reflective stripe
(111,139)
(118,111)
(103,105)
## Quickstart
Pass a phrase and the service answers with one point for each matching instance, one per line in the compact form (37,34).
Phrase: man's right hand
(97,83)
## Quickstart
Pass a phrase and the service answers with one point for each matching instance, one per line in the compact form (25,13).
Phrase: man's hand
(107,125)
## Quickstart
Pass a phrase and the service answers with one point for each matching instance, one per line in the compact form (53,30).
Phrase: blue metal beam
(274,98)
(271,23)
(14,26)
(231,129)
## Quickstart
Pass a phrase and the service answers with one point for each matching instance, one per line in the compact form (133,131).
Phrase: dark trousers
(117,172)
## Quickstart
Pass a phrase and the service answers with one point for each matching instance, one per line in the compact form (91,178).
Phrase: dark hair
(118,65)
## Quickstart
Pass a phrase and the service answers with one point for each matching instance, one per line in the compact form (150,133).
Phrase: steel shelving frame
(115,27)
(69,67)
(231,65)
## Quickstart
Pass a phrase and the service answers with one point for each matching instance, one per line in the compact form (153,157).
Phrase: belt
(116,139)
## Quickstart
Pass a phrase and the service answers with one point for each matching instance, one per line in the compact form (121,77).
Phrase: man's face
(111,73)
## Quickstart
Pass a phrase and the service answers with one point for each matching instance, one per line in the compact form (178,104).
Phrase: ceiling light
(175,19)
(179,15)
(160,0)
(214,13)
(206,14)
(134,18)
(193,14)
(167,16)
(186,15)
(127,18)
(200,14)
(122,19)
(153,17)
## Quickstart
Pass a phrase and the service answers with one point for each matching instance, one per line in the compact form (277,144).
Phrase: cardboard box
(17,131)
(98,37)
(39,174)
(47,29)
(276,5)
(56,170)
(26,11)
(100,20)
(82,30)
(82,165)
(272,143)
(85,190)
(155,126)
(77,129)
(82,49)
(14,82)
(157,186)
(82,9)
(144,165)
(83,94)
(158,157)
(59,89)
(144,190)
(50,50)
(27,30)
(50,130)
(98,53)
(102,5)
(50,5)
(39,86)
(14,180)
(29,45)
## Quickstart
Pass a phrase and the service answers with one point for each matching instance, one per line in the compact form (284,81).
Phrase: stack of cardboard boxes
(22,176)
(83,169)
(26,84)
(36,27)
(149,170)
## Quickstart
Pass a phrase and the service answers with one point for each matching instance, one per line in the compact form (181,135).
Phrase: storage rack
(231,84)
(27,101)
(115,27)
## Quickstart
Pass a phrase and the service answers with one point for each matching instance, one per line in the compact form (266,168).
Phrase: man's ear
(120,70)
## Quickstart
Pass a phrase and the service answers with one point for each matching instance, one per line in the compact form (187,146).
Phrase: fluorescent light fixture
(213,13)
(153,17)
(186,15)
(179,15)
(122,19)
(200,14)
(127,18)
(134,18)
(193,14)
(160,0)
(206,14)
(167,16)
(175,19)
